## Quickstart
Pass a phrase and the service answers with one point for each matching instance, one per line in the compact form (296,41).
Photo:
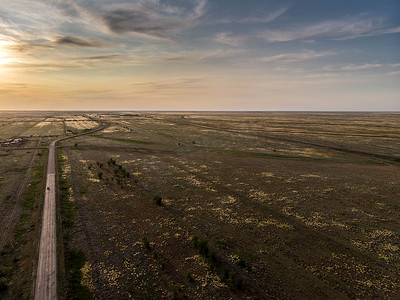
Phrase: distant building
(13,142)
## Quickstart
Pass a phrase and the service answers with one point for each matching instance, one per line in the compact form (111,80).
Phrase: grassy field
(22,179)
(224,206)
(253,205)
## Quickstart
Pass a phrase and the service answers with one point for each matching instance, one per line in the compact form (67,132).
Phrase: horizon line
(204,111)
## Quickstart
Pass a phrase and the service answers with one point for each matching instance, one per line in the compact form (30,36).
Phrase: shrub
(241,263)
(189,277)
(3,284)
(76,260)
(222,244)
(100,175)
(157,199)
(201,245)
(145,242)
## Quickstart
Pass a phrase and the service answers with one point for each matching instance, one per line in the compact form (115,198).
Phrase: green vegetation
(3,283)
(67,206)
(76,260)
(222,244)
(123,140)
(157,199)
(215,263)
(266,155)
(162,261)
(145,242)
(120,174)
(258,201)
(29,196)
(15,253)
(189,277)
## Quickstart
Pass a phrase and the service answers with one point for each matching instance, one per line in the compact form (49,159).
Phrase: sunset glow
(200,55)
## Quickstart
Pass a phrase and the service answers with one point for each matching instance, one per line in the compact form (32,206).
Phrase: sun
(5,56)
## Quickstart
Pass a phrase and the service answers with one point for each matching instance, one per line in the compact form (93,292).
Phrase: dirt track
(46,280)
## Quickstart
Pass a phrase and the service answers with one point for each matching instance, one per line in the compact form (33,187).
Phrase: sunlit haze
(200,55)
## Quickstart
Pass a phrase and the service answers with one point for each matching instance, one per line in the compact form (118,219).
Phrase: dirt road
(46,278)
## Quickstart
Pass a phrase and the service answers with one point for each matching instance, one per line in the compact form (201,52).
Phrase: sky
(253,55)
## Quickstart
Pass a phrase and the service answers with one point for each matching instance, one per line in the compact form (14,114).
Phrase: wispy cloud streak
(74,41)
(296,57)
(350,28)
(265,18)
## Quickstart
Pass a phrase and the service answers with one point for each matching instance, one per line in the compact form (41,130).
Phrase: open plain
(205,205)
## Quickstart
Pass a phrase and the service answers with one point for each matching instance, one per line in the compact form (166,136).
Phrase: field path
(46,278)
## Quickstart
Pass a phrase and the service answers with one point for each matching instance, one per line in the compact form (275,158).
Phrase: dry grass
(283,218)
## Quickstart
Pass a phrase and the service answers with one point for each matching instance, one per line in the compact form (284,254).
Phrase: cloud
(395,65)
(172,87)
(361,67)
(295,57)
(227,38)
(266,18)
(29,47)
(73,41)
(149,18)
(170,83)
(103,57)
(118,59)
(32,47)
(349,28)
(41,66)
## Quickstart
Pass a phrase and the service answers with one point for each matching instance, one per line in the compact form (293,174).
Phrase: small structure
(13,142)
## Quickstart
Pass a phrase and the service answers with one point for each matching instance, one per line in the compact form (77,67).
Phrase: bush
(3,284)
(241,263)
(201,245)
(224,270)
(76,260)
(145,242)
(189,277)
(100,175)
(157,199)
